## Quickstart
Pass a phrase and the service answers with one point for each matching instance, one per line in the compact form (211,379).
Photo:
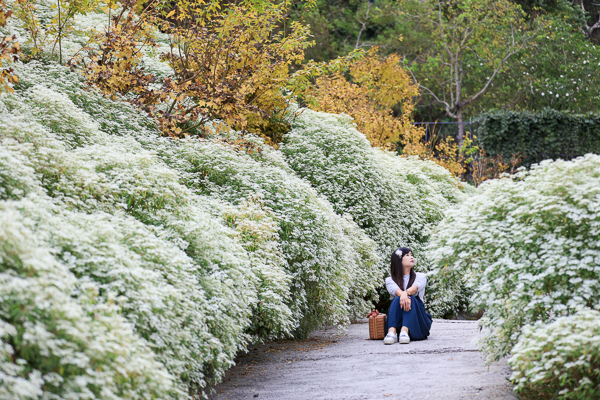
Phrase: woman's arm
(392,287)
(395,290)
(411,291)
(420,283)
(404,299)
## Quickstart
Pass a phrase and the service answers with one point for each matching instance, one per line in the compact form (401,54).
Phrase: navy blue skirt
(416,320)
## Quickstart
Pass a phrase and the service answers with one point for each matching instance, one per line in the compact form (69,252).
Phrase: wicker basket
(377,327)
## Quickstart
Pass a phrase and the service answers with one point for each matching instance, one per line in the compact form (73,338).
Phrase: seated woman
(407,310)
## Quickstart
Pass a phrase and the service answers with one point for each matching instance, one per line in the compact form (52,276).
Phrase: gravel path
(331,366)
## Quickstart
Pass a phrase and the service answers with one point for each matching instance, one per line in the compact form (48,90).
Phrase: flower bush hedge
(560,359)
(529,248)
(171,282)
(326,254)
(152,262)
(395,200)
(117,219)
(61,338)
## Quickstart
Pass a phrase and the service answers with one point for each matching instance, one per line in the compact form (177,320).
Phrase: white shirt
(420,283)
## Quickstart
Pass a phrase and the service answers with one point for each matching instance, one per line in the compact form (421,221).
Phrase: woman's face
(408,261)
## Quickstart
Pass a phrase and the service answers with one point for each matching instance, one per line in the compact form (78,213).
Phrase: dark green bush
(537,136)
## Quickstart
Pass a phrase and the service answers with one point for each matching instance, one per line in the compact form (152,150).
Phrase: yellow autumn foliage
(375,85)
(445,152)
(9,52)
(114,56)
(230,63)
(379,94)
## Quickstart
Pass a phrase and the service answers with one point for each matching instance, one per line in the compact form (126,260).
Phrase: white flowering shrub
(120,219)
(267,175)
(188,308)
(323,259)
(395,200)
(529,248)
(58,338)
(121,119)
(271,317)
(191,279)
(560,360)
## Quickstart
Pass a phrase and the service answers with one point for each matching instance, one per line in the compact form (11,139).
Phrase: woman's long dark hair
(396,272)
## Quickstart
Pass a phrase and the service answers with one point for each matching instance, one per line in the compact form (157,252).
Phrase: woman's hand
(405,301)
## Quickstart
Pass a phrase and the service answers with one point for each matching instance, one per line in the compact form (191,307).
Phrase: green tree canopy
(471,44)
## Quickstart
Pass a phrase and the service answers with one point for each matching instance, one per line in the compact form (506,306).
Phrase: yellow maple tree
(230,63)
(380,95)
(367,91)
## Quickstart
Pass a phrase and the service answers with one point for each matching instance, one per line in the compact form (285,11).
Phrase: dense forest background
(429,78)
(481,70)
(556,68)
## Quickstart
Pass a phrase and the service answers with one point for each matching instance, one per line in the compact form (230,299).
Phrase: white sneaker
(390,338)
(404,338)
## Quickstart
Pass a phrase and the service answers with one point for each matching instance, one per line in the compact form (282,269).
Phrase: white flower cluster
(116,266)
(327,255)
(529,248)
(559,360)
(395,200)
(87,348)
(130,246)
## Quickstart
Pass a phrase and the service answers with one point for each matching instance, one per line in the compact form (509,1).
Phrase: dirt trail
(329,366)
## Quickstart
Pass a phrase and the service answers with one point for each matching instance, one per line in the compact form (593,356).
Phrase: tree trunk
(461,127)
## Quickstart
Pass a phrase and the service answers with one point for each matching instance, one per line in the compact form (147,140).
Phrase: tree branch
(446,105)
(594,27)
(502,62)
(364,25)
